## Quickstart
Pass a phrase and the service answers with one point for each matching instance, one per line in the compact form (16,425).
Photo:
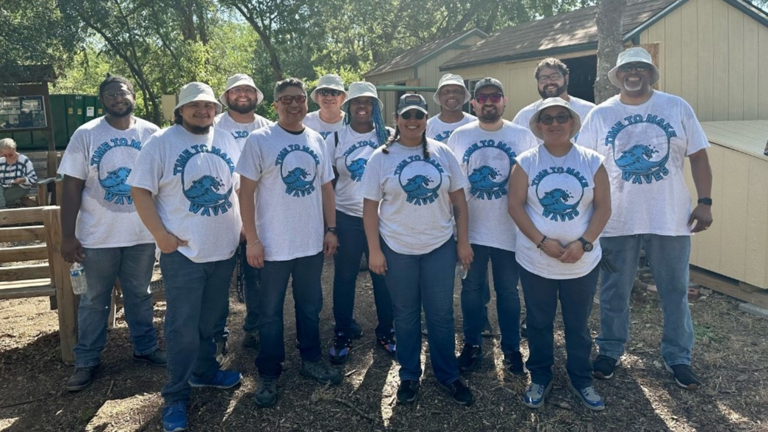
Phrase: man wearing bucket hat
(184,187)
(287,181)
(552,76)
(451,95)
(486,150)
(329,95)
(646,135)
(349,150)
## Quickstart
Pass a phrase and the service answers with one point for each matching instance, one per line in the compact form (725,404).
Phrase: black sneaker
(155,358)
(266,393)
(320,372)
(603,367)
(684,376)
(407,392)
(513,363)
(459,391)
(470,358)
(340,349)
(82,378)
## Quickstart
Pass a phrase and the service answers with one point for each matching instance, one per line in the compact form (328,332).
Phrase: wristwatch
(705,201)
(330,230)
(586,245)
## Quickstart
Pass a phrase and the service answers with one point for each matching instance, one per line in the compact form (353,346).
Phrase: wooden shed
(419,66)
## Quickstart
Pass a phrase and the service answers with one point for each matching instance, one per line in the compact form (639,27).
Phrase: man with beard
(329,95)
(241,97)
(646,135)
(101,229)
(552,79)
(486,150)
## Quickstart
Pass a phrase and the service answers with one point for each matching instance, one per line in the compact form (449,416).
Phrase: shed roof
(747,136)
(27,74)
(417,55)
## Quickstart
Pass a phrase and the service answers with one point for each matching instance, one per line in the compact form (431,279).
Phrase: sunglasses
(548,120)
(419,115)
(112,95)
(287,99)
(640,67)
(493,97)
(329,92)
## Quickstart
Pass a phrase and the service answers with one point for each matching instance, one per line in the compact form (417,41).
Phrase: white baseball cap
(451,79)
(236,81)
(633,55)
(197,91)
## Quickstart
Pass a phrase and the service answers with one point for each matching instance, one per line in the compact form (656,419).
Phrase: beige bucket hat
(451,79)
(239,80)
(552,102)
(633,55)
(362,89)
(330,81)
(197,91)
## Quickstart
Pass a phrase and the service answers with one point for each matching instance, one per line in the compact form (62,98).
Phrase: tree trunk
(609,45)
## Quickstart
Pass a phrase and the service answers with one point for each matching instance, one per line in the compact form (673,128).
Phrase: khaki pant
(11,195)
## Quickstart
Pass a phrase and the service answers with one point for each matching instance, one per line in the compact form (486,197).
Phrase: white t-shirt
(439,130)
(193,180)
(645,148)
(313,121)
(486,159)
(104,157)
(290,170)
(415,209)
(523,117)
(560,194)
(239,131)
(350,157)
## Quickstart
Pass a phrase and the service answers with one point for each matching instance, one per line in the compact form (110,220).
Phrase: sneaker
(407,392)
(222,379)
(388,343)
(155,358)
(340,349)
(175,418)
(513,363)
(684,376)
(251,339)
(470,358)
(82,378)
(459,391)
(535,394)
(588,397)
(266,394)
(320,371)
(603,367)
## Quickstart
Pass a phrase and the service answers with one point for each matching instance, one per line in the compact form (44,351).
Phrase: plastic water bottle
(77,276)
(461,271)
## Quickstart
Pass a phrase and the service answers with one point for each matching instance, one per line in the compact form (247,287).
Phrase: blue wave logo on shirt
(443,136)
(325,134)
(240,134)
(298,169)
(354,159)
(560,191)
(207,181)
(641,147)
(420,179)
(488,165)
(109,158)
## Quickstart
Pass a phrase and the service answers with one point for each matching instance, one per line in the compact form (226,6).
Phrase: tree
(609,45)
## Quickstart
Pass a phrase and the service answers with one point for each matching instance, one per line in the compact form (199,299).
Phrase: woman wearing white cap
(329,95)
(559,197)
(349,149)
(410,186)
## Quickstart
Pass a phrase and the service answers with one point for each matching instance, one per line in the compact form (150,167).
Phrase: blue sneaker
(175,417)
(535,394)
(588,397)
(221,379)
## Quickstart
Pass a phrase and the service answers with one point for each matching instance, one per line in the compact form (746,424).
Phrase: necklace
(552,158)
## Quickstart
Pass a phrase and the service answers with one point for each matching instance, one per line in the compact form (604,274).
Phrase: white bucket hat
(548,103)
(362,89)
(197,91)
(633,55)
(451,79)
(236,81)
(330,81)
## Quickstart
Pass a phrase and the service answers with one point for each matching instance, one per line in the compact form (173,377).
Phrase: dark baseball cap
(411,101)
(489,82)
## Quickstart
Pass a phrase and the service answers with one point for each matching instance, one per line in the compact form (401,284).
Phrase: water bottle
(461,271)
(77,276)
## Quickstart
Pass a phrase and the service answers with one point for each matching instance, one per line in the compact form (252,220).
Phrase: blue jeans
(308,302)
(195,294)
(541,297)
(352,245)
(133,266)
(250,292)
(473,296)
(424,280)
(668,258)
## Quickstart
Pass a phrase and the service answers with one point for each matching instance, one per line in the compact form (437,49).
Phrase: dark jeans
(195,294)
(250,292)
(308,302)
(575,296)
(473,296)
(424,280)
(352,245)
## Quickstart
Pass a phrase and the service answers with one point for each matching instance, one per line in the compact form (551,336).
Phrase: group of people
(418,200)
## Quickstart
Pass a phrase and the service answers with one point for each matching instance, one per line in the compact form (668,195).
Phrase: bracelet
(705,201)
(541,243)
(253,244)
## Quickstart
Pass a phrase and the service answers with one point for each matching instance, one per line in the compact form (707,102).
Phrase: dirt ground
(730,356)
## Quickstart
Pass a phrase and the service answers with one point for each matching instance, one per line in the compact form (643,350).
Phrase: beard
(242,109)
(632,87)
(198,130)
(489,115)
(119,114)
(559,90)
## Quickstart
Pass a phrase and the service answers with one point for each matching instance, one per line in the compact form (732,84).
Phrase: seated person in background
(17,175)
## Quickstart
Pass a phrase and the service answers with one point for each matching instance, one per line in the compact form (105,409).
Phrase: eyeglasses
(112,95)
(451,91)
(247,90)
(287,99)
(548,120)
(329,92)
(416,113)
(640,67)
(493,97)
(550,77)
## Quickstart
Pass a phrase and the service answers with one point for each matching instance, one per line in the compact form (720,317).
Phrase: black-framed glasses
(419,115)
(329,92)
(560,118)
(493,97)
(640,67)
(247,90)
(551,77)
(288,99)
(112,95)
